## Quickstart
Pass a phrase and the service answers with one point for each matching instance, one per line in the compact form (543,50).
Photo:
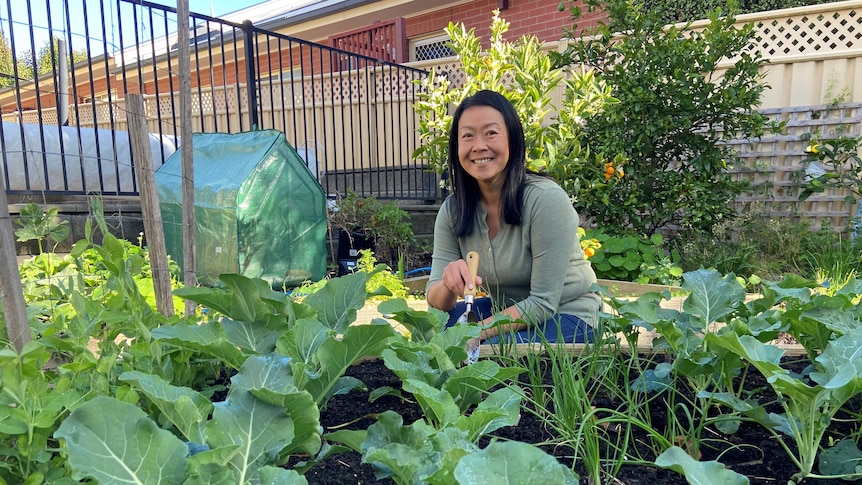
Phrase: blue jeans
(561,327)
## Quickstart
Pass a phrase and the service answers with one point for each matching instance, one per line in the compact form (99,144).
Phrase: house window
(430,48)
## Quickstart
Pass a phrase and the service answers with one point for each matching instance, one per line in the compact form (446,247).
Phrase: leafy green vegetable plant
(809,408)
(719,332)
(36,224)
(263,420)
(458,403)
(315,334)
(32,403)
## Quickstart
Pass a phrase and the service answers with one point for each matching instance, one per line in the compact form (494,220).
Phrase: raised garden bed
(751,451)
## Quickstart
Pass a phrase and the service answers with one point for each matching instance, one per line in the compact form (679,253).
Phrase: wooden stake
(11,291)
(186,149)
(153,228)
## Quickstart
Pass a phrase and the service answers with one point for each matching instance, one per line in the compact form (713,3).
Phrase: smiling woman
(522,226)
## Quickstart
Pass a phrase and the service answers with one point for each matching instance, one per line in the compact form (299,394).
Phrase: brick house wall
(541,18)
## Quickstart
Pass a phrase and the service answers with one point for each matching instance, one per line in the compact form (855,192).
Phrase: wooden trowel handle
(473,267)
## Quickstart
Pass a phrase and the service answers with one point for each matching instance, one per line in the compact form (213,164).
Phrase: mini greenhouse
(259,211)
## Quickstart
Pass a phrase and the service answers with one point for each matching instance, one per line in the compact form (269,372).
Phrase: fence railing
(349,116)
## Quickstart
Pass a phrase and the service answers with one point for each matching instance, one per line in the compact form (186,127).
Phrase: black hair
(466,188)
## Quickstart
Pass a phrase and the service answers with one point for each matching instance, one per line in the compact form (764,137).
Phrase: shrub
(386,223)
(523,73)
(673,114)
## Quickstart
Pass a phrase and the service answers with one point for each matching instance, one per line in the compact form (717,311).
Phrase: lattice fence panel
(773,164)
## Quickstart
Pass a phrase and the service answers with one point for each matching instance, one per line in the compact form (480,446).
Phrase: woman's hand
(457,279)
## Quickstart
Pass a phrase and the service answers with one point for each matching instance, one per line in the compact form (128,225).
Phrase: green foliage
(674,112)
(40,225)
(447,433)
(246,436)
(633,258)
(380,276)
(768,247)
(809,406)
(33,400)
(719,331)
(832,164)
(382,282)
(695,471)
(386,223)
(674,11)
(29,65)
(522,71)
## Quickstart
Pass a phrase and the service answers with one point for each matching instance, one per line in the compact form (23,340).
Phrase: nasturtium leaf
(115,442)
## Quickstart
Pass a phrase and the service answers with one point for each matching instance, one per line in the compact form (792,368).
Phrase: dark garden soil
(764,462)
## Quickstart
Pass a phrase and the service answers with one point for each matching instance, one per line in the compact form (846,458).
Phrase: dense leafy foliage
(675,109)
(234,393)
(523,72)
(689,10)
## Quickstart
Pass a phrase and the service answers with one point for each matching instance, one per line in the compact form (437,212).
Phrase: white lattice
(805,34)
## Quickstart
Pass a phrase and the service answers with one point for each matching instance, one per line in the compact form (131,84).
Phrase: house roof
(278,11)
(317,20)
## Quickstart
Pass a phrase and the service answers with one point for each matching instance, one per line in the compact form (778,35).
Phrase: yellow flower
(589,252)
(812,148)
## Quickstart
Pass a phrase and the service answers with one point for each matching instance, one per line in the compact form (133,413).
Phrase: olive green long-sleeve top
(538,266)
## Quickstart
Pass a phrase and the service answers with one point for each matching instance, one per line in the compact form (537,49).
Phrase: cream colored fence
(814,71)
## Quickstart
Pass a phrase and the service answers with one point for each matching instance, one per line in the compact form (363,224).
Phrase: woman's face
(483,143)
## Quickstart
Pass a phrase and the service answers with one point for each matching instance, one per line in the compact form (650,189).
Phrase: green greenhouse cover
(259,211)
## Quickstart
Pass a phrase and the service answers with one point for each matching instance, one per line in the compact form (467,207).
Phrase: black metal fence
(349,116)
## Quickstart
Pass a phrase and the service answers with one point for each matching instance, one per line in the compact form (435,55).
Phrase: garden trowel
(469,294)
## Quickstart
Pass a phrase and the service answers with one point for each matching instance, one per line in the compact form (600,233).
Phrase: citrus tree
(678,106)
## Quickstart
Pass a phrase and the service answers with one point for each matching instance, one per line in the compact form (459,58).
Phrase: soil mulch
(762,460)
